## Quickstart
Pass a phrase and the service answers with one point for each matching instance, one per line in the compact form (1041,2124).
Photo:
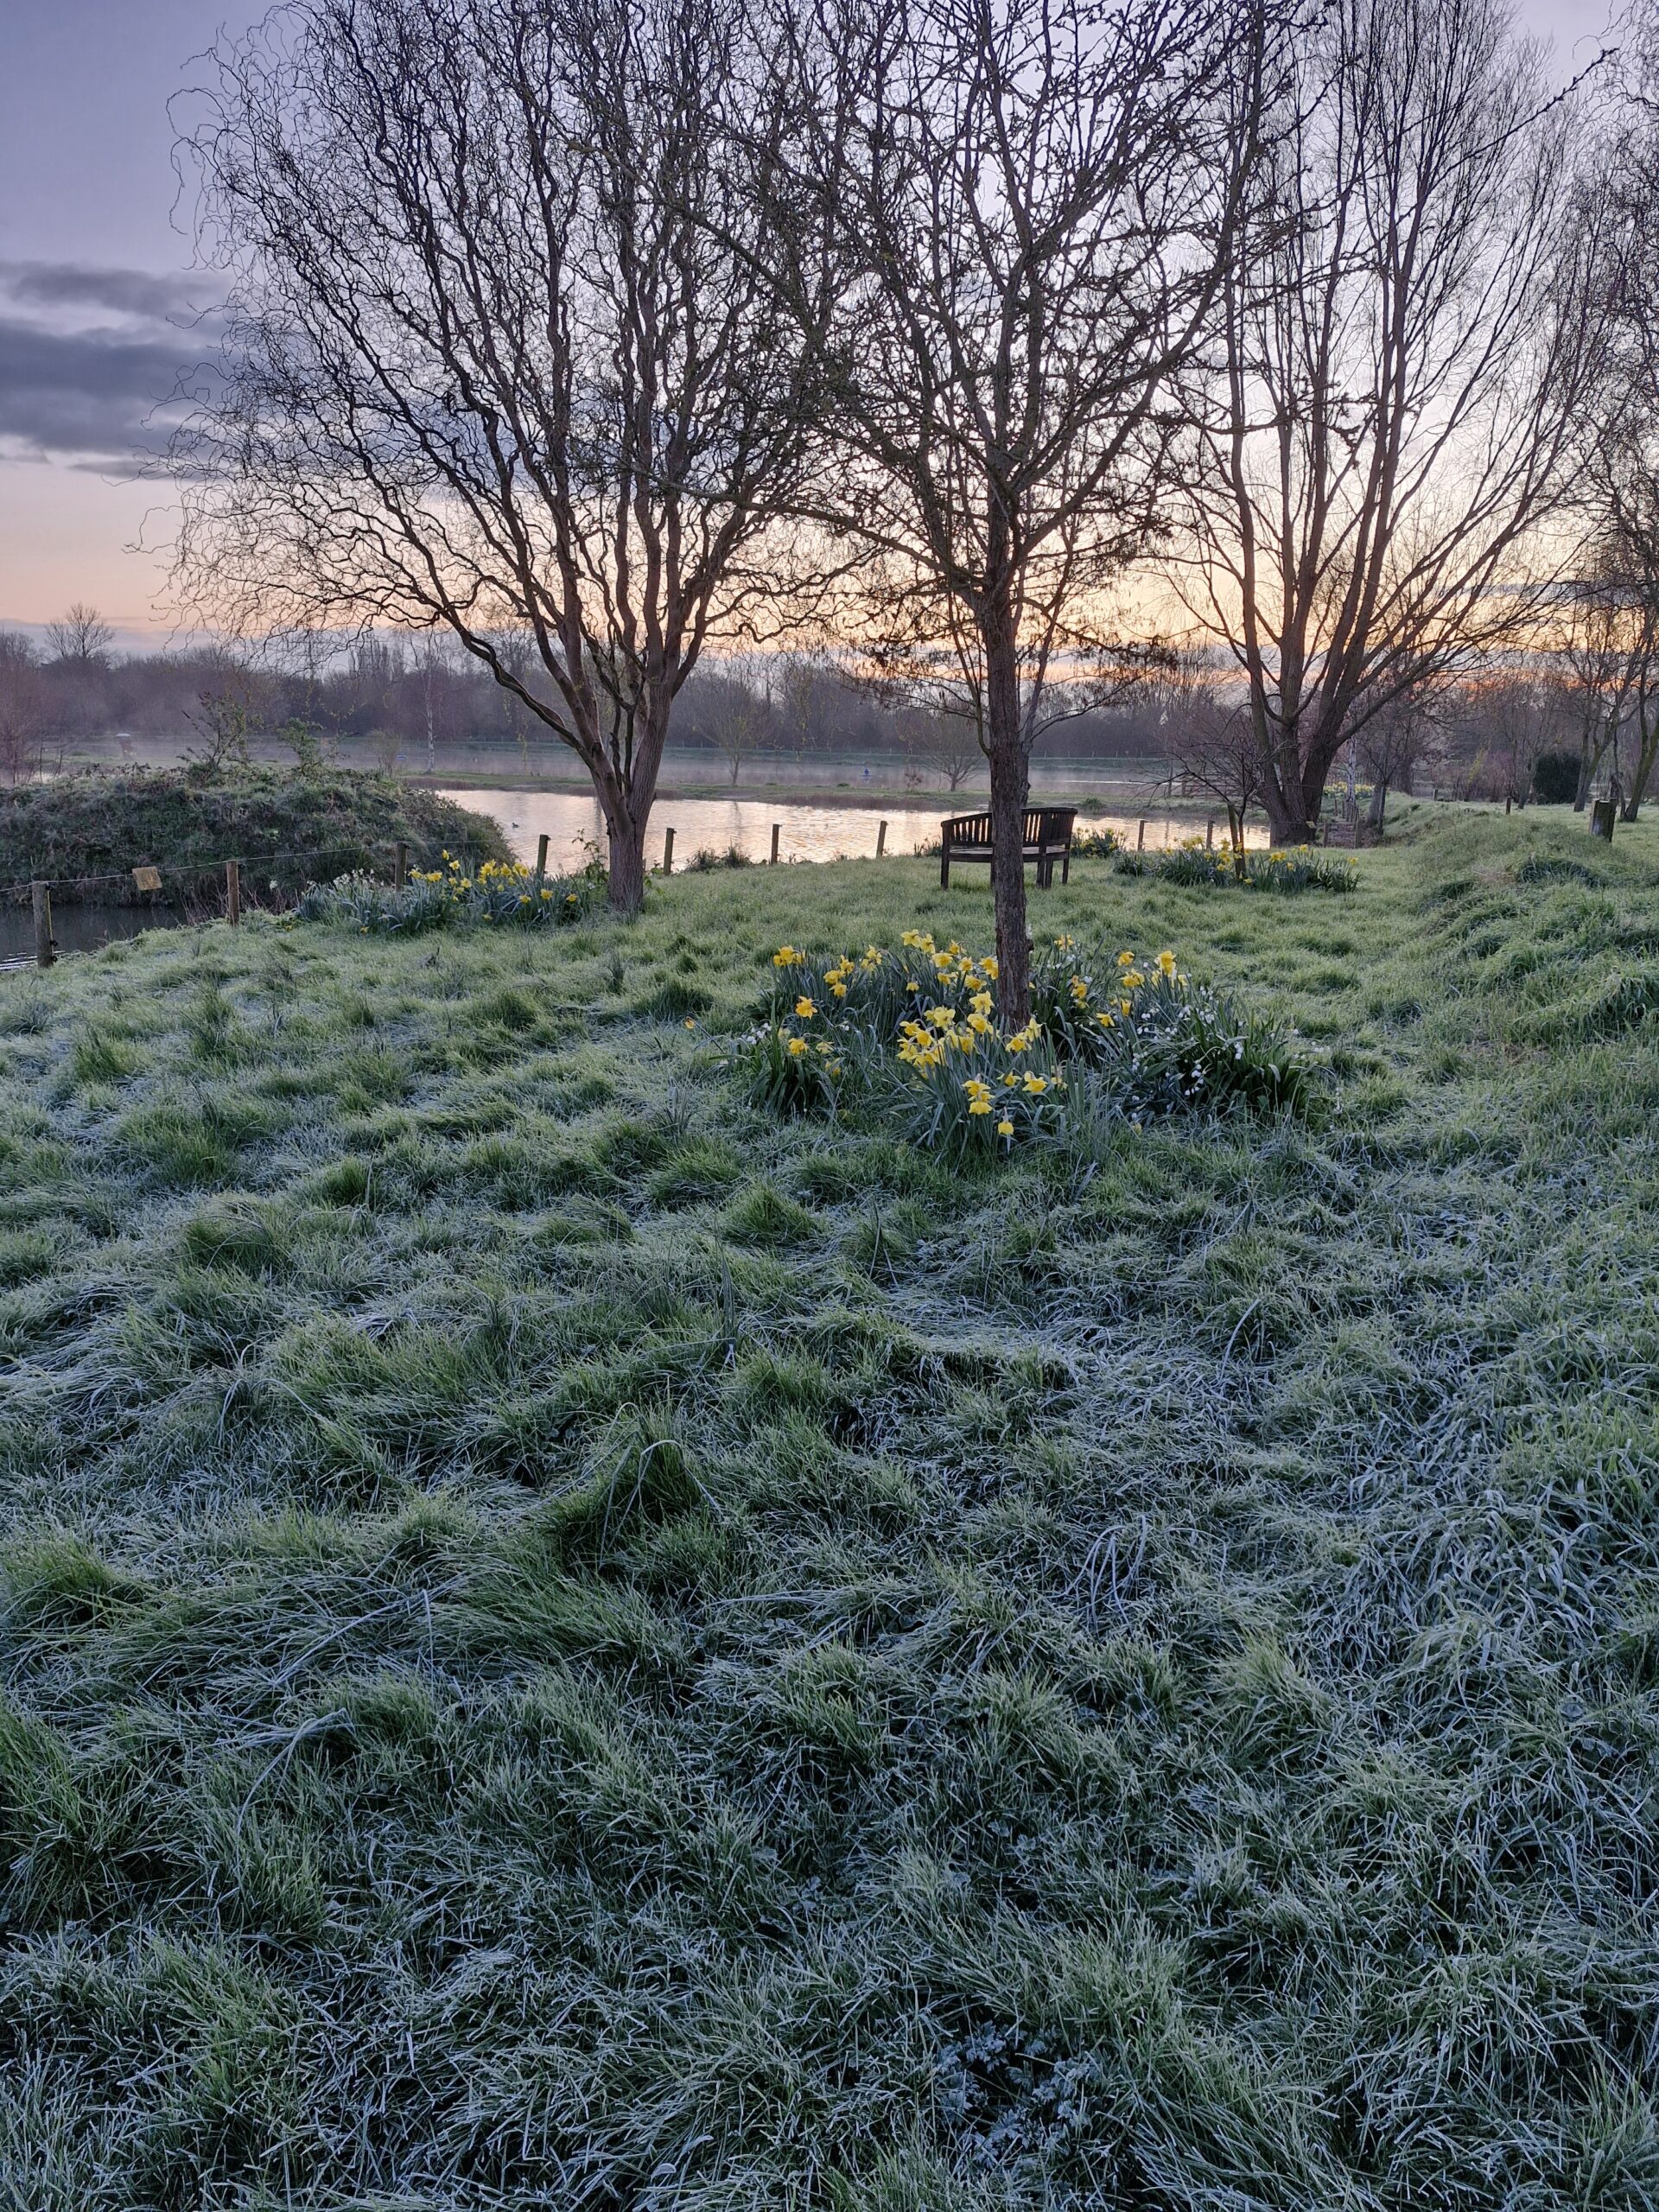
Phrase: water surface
(574,827)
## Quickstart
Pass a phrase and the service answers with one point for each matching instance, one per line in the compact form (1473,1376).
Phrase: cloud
(90,395)
(137,293)
(78,386)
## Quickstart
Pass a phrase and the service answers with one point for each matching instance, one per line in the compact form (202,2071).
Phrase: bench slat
(1045,838)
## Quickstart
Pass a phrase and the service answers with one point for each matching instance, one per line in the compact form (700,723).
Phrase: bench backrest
(1038,825)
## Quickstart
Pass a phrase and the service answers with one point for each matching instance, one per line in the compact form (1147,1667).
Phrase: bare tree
(500,353)
(1210,740)
(1409,332)
(1392,742)
(944,741)
(23,709)
(1621,447)
(738,710)
(223,716)
(1027,202)
(1597,644)
(80,639)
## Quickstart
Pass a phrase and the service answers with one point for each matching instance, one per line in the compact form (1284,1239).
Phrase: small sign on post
(234,891)
(45,951)
(146,879)
(668,852)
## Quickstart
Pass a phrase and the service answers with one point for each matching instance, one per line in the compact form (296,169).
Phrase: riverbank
(805,779)
(559,1632)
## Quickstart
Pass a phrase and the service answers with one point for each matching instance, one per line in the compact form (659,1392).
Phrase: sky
(101,311)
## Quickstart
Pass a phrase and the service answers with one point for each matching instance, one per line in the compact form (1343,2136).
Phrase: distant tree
(81,639)
(1211,744)
(1601,644)
(499,352)
(23,709)
(1392,742)
(942,742)
(1409,333)
(737,715)
(1620,440)
(226,709)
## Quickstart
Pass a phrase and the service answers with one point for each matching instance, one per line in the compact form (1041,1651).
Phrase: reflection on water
(84,929)
(574,826)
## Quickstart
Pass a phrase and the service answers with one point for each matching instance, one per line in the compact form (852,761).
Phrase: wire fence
(93,908)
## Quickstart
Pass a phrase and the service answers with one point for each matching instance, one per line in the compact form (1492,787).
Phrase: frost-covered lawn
(567,1643)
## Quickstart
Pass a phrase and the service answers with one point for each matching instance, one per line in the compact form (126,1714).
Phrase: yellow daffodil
(1036,1086)
(1005,1128)
(804,1009)
(797,1046)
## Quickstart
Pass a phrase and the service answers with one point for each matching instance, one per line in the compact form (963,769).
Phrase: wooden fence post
(541,860)
(44,952)
(1141,838)
(399,865)
(1210,835)
(668,852)
(881,839)
(232,892)
(777,828)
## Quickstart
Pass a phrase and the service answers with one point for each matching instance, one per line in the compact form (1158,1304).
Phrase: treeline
(401,699)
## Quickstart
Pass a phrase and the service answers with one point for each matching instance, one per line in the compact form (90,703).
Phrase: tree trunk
(1288,822)
(626,838)
(1008,766)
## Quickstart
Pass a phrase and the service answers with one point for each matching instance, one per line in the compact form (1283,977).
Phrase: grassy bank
(101,823)
(568,1644)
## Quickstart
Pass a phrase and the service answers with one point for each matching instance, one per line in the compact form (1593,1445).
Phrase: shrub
(1555,779)
(501,893)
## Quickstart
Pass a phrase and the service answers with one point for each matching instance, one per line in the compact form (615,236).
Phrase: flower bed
(1299,867)
(500,892)
(916,1032)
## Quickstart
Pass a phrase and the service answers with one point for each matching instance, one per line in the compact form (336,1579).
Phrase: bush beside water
(99,823)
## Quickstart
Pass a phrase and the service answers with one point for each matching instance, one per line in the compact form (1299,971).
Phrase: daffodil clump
(918,1028)
(1157,1042)
(1299,867)
(499,893)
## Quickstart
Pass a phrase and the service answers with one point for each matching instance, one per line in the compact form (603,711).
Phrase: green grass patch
(567,1639)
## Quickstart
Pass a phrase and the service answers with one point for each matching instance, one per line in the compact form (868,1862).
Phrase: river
(573,827)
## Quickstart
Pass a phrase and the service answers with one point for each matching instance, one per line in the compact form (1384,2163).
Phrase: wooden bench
(1045,838)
